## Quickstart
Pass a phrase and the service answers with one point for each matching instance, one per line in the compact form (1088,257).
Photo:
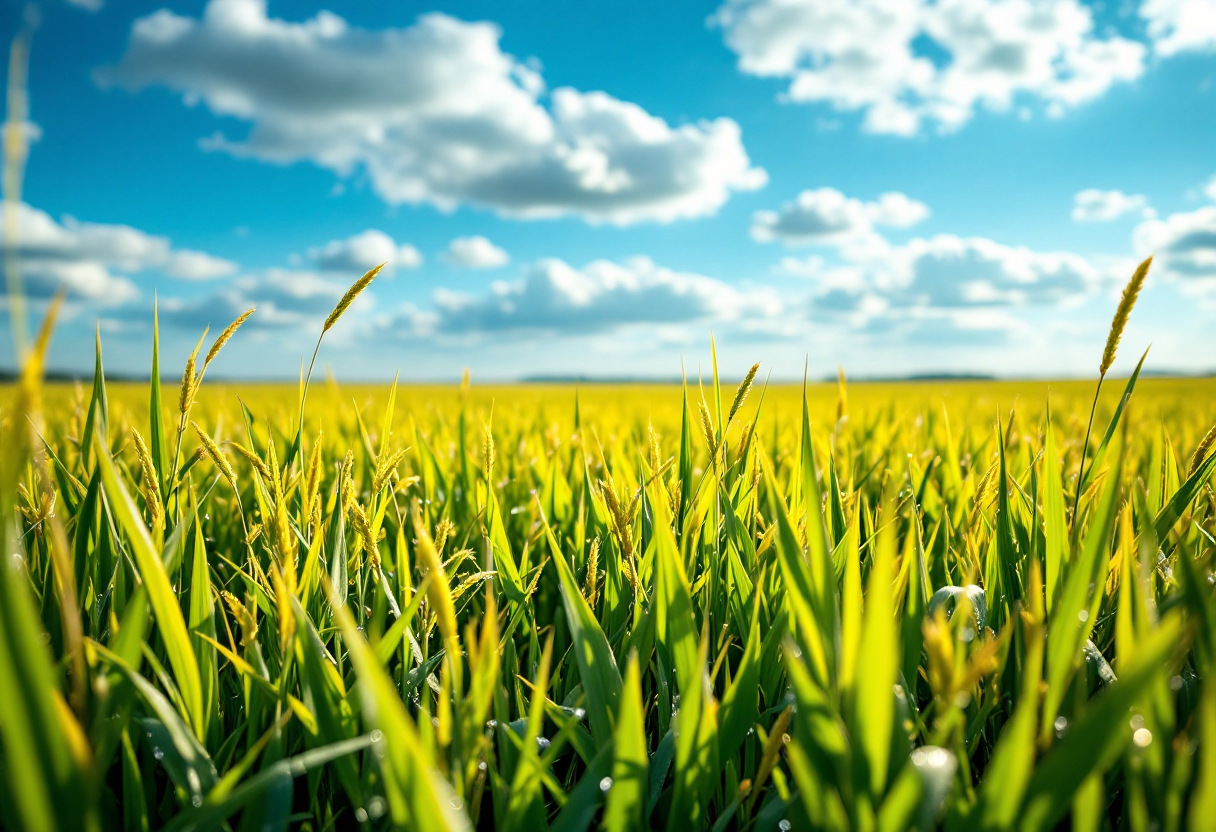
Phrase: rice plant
(849,607)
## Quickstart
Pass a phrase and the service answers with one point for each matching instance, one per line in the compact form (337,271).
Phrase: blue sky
(895,186)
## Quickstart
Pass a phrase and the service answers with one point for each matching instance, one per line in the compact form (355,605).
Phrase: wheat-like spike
(254,460)
(363,528)
(217,456)
(225,336)
(149,486)
(348,482)
(244,618)
(349,298)
(656,454)
(742,392)
(744,435)
(1201,452)
(276,476)
(386,469)
(312,484)
(1130,292)
(707,426)
(488,454)
(443,530)
(190,379)
(288,545)
(593,565)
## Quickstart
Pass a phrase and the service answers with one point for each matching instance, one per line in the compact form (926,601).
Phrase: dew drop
(361,814)
(579,713)
(1061,726)
(605,784)
(784,825)
(482,766)
(1143,737)
(1176,683)
(196,801)
(542,743)
(376,736)
(376,807)
(1083,616)
(158,754)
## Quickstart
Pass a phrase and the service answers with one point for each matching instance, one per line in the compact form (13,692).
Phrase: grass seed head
(217,456)
(742,392)
(150,487)
(225,336)
(1201,451)
(353,292)
(1130,292)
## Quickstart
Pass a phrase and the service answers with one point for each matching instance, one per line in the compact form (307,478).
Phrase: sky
(591,189)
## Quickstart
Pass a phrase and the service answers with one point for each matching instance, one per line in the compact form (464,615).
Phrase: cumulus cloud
(433,113)
(1180,25)
(365,251)
(91,260)
(1183,244)
(905,63)
(286,299)
(1093,205)
(475,253)
(868,282)
(828,217)
(603,296)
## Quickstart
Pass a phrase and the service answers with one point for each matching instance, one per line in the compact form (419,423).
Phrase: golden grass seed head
(488,453)
(363,529)
(1128,300)
(443,530)
(345,475)
(743,390)
(386,469)
(707,427)
(225,336)
(190,379)
(245,619)
(593,565)
(312,483)
(1201,451)
(656,454)
(256,461)
(353,292)
(151,489)
(217,456)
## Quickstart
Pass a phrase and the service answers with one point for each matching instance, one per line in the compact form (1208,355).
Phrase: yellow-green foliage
(862,606)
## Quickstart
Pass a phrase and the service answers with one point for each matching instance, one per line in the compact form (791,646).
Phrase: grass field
(717,606)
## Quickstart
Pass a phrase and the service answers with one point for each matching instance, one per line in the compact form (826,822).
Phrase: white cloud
(1180,25)
(801,267)
(1210,190)
(827,217)
(871,55)
(475,253)
(91,260)
(365,251)
(1093,205)
(434,113)
(285,299)
(603,296)
(1183,245)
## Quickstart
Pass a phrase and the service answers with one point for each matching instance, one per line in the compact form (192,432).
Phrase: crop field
(717,606)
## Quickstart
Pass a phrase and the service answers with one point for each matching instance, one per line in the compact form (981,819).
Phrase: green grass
(869,607)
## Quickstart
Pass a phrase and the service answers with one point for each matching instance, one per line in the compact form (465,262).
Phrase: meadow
(712,606)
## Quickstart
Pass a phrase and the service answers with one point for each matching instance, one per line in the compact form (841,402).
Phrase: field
(716,606)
